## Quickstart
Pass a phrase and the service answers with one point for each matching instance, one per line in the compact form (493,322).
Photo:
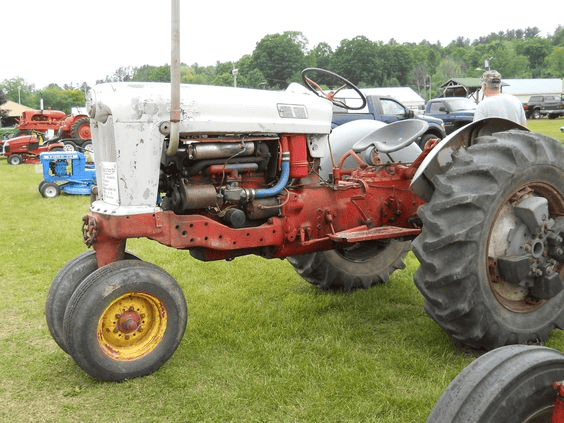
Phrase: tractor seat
(392,137)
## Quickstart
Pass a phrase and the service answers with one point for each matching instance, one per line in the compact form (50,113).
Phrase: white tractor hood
(213,110)
(129,122)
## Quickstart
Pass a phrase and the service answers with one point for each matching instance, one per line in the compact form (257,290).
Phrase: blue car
(455,112)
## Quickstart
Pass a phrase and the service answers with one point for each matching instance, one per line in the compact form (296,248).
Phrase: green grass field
(550,127)
(261,344)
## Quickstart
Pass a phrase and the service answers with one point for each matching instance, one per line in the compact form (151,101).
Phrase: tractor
(223,172)
(72,130)
(27,148)
(66,171)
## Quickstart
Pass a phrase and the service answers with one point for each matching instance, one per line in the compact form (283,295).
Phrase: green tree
(358,61)
(122,74)
(17,90)
(149,73)
(321,56)
(280,58)
(557,39)
(57,98)
(399,64)
(427,55)
(536,50)
(555,62)
(3,100)
(449,68)
(248,75)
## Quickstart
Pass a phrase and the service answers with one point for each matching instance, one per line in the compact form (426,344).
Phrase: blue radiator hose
(272,191)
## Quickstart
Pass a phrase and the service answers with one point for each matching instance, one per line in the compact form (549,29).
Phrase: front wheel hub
(132,326)
(129,321)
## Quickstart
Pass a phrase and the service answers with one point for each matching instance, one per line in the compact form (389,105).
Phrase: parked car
(387,110)
(455,112)
(544,105)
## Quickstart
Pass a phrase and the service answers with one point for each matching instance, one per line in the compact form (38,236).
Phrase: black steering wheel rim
(316,89)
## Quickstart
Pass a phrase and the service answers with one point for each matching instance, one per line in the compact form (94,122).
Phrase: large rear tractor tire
(491,249)
(509,384)
(124,320)
(357,267)
(81,129)
(62,288)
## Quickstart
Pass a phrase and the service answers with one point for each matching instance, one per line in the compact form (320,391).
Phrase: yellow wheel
(132,326)
(124,320)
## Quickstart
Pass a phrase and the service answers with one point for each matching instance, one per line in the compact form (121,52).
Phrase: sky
(70,42)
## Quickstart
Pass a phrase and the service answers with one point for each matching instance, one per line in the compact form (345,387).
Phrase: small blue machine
(66,171)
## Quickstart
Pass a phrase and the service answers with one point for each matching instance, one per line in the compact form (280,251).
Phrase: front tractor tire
(491,249)
(509,384)
(358,267)
(63,286)
(124,320)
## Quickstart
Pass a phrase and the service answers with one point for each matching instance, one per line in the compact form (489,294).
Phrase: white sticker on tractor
(110,192)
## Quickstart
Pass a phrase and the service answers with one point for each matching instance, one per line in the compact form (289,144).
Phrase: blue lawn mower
(66,171)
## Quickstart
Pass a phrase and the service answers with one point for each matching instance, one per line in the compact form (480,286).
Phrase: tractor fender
(440,158)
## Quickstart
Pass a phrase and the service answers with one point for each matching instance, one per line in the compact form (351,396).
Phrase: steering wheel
(344,83)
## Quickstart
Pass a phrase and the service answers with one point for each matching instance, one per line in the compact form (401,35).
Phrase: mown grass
(261,345)
(549,127)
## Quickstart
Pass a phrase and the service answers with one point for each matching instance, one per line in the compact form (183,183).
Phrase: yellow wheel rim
(132,326)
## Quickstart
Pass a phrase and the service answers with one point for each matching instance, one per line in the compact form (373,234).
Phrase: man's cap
(491,78)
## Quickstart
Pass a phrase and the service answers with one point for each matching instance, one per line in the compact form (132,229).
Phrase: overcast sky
(70,41)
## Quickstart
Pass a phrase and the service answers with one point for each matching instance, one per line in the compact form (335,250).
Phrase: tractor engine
(235,179)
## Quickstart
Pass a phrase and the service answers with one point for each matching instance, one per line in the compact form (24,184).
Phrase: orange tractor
(73,129)
(72,132)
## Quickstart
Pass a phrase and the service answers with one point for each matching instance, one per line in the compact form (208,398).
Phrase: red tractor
(70,133)
(223,172)
(27,148)
(259,172)
(72,127)
(73,130)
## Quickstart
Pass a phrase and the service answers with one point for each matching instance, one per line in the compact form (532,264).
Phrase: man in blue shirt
(497,104)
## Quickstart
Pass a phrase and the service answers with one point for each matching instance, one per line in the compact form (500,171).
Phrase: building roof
(14,109)
(462,87)
(527,87)
(465,82)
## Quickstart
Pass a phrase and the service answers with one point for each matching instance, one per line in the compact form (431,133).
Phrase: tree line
(278,59)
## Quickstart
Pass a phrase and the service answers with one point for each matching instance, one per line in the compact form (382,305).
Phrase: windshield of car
(457,104)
